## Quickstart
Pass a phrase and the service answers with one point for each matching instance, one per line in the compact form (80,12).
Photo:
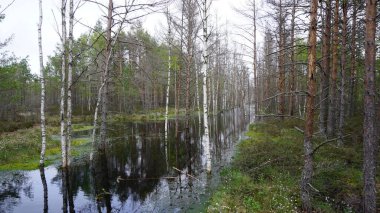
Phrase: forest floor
(265,173)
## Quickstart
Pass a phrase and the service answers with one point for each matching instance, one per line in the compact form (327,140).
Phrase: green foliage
(265,173)
(11,126)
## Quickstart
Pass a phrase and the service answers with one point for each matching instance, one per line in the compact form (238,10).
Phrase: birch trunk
(307,171)
(204,71)
(70,81)
(168,81)
(42,73)
(63,80)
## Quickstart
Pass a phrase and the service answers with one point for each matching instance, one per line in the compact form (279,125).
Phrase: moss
(20,150)
(265,172)
(80,127)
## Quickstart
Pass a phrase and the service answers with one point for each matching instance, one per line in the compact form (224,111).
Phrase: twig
(264,164)
(313,188)
(326,142)
(1,12)
(299,129)
(180,171)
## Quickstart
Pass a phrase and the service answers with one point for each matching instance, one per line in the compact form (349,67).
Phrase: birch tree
(63,89)
(70,80)
(42,73)
(168,78)
(307,171)
(205,7)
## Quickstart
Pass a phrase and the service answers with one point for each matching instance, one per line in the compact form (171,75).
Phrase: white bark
(63,77)
(204,69)
(168,84)
(70,81)
(43,126)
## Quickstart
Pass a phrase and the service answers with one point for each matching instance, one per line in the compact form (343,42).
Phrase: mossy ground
(20,142)
(265,174)
(20,150)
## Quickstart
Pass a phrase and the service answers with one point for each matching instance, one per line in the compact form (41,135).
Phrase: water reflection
(45,189)
(137,170)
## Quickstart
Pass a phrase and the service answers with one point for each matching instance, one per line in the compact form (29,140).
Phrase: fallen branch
(264,164)
(118,179)
(299,129)
(180,171)
(326,142)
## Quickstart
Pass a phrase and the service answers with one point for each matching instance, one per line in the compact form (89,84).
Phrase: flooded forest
(189,106)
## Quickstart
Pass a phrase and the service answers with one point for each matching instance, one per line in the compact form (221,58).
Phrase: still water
(137,171)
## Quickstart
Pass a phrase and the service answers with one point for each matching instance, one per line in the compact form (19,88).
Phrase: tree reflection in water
(137,169)
(45,189)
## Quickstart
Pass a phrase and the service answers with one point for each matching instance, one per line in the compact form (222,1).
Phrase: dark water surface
(138,171)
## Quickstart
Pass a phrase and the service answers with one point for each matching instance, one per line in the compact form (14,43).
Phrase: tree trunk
(104,97)
(352,95)
(70,80)
(307,171)
(343,73)
(42,73)
(293,66)
(369,128)
(63,93)
(255,81)
(333,92)
(168,80)
(281,63)
(204,71)
(325,74)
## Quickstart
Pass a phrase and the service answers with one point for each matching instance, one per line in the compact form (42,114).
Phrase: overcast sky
(21,20)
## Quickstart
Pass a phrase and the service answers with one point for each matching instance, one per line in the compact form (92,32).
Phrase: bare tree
(307,171)
(281,59)
(331,122)
(63,89)
(205,6)
(70,80)
(352,87)
(325,73)
(169,71)
(42,79)
(343,73)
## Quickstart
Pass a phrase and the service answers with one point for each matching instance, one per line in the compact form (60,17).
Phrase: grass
(20,150)
(265,173)
(151,115)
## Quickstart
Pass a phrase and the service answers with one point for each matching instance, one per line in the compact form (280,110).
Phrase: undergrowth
(265,173)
